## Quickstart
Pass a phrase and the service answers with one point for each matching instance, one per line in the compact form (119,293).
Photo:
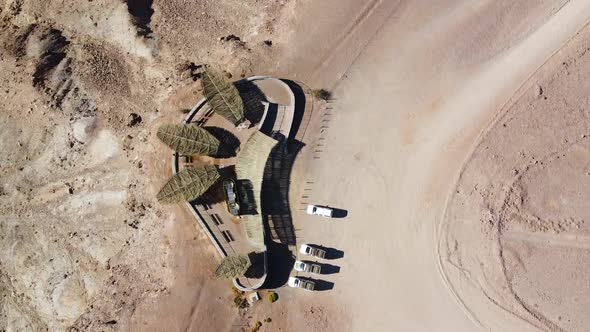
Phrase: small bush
(272,297)
(322,94)
(184,110)
(256,326)
(267,320)
(240,302)
(236,291)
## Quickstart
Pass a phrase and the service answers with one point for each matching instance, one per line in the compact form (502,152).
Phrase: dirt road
(406,113)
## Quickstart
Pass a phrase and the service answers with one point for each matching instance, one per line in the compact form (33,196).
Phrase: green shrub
(272,297)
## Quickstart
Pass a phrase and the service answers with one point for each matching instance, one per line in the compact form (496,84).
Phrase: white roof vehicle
(312,251)
(323,211)
(307,267)
(301,283)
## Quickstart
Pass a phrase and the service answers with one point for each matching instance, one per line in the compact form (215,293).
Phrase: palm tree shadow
(252,97)
(216,194)
(228,142)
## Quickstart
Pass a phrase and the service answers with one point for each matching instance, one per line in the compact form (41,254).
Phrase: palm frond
(233,267)
(188,139)
(188,184)
(223,97)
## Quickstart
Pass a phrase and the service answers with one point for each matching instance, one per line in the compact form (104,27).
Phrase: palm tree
(188,139)
(223,97)
(188,184)
(233,266)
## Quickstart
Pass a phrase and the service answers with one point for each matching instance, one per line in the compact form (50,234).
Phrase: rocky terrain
(83,85)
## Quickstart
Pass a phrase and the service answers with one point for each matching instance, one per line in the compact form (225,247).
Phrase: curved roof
(188,184)
(250,166)
(188,139)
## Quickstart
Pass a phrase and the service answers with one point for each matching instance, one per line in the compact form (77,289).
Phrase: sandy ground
(406,114)
(516,225)
(84,86)
(415,83)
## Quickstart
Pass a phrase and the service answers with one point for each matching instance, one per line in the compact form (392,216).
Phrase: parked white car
(323,211)
(301,283)
(307,267)
(312,251)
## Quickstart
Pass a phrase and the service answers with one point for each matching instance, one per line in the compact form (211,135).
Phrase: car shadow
(339,213)
(323,285)
(329,268)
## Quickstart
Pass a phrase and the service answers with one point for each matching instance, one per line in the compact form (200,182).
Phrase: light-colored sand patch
(105,146)
(90,203)
(406,114)
(83,128)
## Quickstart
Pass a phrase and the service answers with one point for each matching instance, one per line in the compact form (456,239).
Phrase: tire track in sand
(532,53)
(550,239)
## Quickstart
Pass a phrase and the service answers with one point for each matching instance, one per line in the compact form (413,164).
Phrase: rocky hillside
(83,84)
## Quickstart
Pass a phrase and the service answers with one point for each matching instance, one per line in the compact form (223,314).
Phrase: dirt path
(406,114)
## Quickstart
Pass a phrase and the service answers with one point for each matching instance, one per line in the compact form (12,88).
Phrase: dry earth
(85,83)
(517,224)
(417,82)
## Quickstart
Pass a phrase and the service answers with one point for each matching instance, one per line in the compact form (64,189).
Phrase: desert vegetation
(322,94)
(233,266)
(272,297)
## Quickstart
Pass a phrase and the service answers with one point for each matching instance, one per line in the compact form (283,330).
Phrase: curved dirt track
(516,226)
(407,112)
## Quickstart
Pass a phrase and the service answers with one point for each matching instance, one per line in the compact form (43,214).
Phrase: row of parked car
(309,250)
(309,267)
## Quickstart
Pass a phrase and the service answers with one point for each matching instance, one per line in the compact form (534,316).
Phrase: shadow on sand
(280,264)
(252,97)
(339,213)
(228,142)
(256,270)
(329,268)
(215,194)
